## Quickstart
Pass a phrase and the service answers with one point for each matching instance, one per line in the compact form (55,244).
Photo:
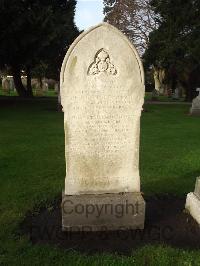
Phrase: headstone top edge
(90,29)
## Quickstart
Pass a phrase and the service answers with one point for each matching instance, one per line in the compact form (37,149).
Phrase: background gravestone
(193,202)
(102,93)
(6,85)
(195,109)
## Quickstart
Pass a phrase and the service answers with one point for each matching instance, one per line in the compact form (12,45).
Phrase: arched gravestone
(102,93)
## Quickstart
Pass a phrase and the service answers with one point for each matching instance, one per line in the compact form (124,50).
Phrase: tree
(175,44)
(34,31)
(135,18)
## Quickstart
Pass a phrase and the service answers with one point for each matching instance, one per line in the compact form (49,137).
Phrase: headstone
(24,81)
(195,109)
(38,89)
(45,86)
(51,82)
(5,85)
(11,83)
(176,94)
(34,83)
(102,93)
(193,202)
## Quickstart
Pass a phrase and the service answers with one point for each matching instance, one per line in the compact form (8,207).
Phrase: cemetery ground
(32,178)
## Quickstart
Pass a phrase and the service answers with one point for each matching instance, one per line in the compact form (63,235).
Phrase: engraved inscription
(102,96)
(98,141)
(102,64)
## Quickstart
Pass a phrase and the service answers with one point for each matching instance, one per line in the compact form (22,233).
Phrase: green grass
(52,93)
(162,98)
(170,149)
(49,93)
(32,170)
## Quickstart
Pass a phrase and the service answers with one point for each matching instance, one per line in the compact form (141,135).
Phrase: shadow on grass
(166,223)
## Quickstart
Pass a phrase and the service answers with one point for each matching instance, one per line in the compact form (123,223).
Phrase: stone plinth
(102,212)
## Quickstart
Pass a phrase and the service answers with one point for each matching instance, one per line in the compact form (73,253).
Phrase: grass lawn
(32,171)
(49,93)
(162,98)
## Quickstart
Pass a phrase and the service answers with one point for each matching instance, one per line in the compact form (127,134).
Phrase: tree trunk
(161,76)
(40,82)
(29,86)
(18,82)
(173,84)
(155,92)
(157,80)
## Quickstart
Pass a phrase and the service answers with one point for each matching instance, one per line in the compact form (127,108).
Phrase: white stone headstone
(176,94)
(193,202)
(11,83)
(195,109)
(102,93)
(5,85)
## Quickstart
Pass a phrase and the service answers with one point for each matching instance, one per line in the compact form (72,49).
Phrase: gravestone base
(103,212)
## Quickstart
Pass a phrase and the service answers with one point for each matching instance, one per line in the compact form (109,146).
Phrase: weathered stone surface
(193,202)
(5,85)
(195,109)
(103,212)
(102,93)
(193,206)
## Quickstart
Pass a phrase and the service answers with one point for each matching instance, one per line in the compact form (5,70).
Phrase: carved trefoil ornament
(102,64)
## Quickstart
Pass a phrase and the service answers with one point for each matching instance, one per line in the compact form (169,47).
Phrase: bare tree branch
(135,18)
